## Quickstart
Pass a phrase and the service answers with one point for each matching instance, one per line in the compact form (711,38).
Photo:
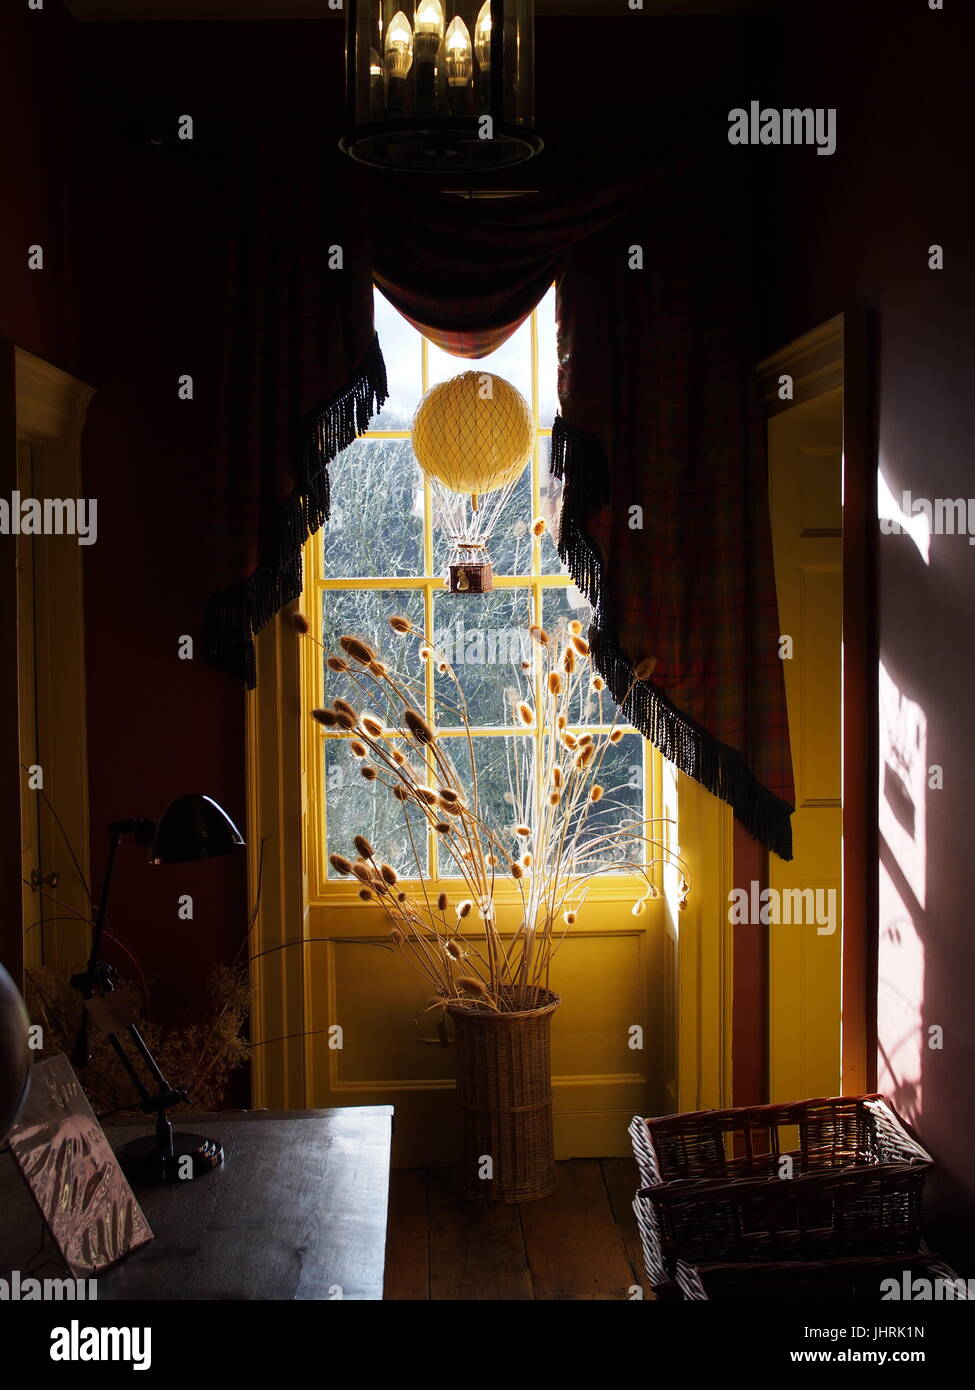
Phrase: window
(382,553)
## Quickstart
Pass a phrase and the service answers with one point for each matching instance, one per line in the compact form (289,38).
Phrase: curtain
(302,371)
(659,441)
(665,521)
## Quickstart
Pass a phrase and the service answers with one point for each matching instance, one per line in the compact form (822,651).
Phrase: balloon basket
(470,577)
(469,568)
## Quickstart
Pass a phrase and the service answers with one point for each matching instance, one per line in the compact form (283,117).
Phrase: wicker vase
(504,1087)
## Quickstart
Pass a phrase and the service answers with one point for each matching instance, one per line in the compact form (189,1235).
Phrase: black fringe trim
(233,617)
(578,459)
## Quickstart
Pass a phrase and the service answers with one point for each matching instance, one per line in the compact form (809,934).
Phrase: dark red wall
(855,235)
(36,121)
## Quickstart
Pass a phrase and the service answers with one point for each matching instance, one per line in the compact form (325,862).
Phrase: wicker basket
(713,1191)
(504,1087)
(856,1279)
(661,1279)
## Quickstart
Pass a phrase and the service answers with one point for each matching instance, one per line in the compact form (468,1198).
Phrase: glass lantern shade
(440,85)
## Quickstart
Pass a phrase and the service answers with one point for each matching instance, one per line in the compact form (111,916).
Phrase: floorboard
(477,1249)
(574,1244)
(408,1237)
(579,1245)
(621,1179)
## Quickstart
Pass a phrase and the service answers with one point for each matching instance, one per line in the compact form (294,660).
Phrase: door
(49,409)
(805,955)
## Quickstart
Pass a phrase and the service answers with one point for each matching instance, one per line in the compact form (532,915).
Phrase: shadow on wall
(924,1008)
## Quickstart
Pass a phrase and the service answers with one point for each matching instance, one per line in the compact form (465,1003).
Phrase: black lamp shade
(193,827)
(15,1058)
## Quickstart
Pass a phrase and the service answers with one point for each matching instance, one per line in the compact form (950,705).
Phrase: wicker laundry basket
(504,1087)
(857,1279)
(717,1187)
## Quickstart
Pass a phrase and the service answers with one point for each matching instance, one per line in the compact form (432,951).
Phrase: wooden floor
(580,1243)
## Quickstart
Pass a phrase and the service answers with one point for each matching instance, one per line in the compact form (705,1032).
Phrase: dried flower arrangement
(549,852)
(204,1056)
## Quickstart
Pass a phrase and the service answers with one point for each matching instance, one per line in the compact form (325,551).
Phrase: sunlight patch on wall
(900,1002)
(903,781)
(890,510)
(903,888)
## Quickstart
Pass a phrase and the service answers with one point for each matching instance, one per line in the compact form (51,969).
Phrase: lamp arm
(87,982)
(96,939)
(96,974)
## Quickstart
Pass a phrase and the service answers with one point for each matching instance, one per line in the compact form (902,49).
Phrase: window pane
(510,540)
(376,526)
(485,638)
(560,606)
(357,807)
(402,347)
(620,774)
(504,765)
(365,613)
(550,506)
(548,363)
(498,761)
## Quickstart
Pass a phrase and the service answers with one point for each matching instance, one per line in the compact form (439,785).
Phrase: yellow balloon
(473,433)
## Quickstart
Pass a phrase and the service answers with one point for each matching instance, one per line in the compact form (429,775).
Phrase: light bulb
(429,18)
(399,46)
(482,36)
(377,87)
(458,60)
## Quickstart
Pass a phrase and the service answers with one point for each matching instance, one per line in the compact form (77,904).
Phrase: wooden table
(297,1211)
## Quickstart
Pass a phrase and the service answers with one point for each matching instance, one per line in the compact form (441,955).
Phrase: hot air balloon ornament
(472,437)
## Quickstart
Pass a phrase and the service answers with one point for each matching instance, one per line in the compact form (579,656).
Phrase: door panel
(805,471)
(609,977)
(49,409)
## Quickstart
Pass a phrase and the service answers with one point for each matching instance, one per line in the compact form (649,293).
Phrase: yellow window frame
(322,887)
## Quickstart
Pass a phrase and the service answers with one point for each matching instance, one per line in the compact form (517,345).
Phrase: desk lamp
(192,827)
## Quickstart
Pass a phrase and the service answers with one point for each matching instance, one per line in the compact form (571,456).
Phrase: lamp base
(192,1156)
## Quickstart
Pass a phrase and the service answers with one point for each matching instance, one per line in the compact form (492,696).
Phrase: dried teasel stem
(418,726)
(358,650)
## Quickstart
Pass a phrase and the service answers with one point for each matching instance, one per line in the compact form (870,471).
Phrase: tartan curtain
(659,441)
(665,523)
(302,372)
